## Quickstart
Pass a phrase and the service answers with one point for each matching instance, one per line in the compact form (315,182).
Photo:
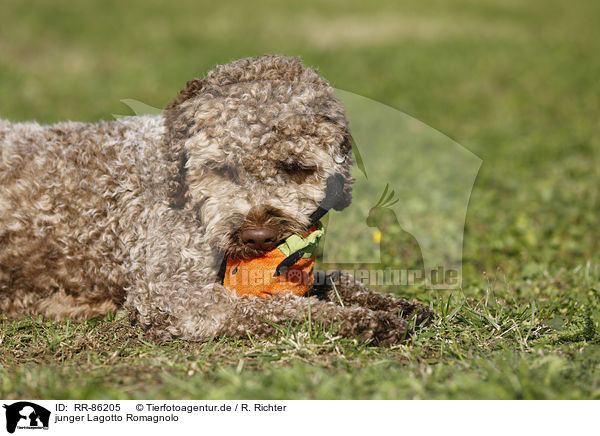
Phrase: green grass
(515,82)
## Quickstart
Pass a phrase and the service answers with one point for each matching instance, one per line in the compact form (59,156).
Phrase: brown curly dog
(139,212)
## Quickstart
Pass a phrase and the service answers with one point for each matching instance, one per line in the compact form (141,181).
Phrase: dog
(139,212)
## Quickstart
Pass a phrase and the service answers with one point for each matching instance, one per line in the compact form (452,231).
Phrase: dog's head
(251,148)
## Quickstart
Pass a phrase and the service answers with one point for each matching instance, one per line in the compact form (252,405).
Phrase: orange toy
(287,269)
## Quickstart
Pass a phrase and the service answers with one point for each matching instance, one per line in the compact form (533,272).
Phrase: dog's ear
(191,89)
(178,125)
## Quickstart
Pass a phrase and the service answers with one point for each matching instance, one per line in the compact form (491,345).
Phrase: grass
(516,83)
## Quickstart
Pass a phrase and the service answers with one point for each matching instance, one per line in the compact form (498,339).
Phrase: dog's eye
(339,159)
(296,171)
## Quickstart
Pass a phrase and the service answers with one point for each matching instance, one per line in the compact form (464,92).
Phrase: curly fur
(139,212)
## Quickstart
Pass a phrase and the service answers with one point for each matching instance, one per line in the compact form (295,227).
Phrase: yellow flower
(377,236)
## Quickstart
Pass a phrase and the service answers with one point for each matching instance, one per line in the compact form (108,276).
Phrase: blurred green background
(517,83)
(514,82)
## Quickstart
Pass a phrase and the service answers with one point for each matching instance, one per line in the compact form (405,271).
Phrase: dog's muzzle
(334,195)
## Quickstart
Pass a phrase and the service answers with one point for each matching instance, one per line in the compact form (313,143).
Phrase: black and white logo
(26,415)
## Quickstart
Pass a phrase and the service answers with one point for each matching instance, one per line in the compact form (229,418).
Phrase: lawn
(516,83)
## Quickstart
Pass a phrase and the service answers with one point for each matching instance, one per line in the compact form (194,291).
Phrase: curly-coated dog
(140,211)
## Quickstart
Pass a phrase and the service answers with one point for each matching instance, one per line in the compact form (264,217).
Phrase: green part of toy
(296,242)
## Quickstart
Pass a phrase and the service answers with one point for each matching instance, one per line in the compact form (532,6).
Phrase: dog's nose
(261,238)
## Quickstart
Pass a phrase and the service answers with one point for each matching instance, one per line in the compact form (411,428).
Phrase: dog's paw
(376,327)
(423,314)
(390,329)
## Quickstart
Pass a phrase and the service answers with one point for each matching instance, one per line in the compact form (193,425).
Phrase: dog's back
(66,192)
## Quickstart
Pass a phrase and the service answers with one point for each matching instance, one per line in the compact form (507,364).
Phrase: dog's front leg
(213,310)
(340,287)
(258,316)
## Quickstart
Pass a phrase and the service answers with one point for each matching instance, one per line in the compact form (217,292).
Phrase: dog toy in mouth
(287,269)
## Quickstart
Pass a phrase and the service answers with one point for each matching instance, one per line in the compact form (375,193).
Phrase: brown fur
(138,212)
